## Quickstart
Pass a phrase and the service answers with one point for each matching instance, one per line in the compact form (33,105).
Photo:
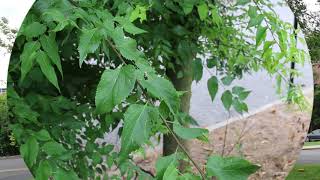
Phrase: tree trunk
(181,84)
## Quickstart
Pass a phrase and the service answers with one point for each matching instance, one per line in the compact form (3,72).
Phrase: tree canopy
(81,68)
(310,23)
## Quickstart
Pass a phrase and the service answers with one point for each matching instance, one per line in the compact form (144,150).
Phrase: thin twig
(225,134)
(183,148)
(165,122)
(116,51)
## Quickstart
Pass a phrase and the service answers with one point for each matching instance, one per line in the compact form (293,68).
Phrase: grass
(305,172)
(311,143)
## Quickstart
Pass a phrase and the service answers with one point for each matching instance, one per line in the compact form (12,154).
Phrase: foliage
(80,69)
(313,41)
(7,34)
(7,143)
(310,23)
(315,123)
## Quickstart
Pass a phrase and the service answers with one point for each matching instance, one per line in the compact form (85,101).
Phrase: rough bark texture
(316,73)
(181,84)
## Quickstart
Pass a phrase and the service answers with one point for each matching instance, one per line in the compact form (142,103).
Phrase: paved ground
(13,169)
(309,157)
(208,113)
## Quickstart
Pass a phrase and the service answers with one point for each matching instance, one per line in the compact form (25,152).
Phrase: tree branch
(164,121)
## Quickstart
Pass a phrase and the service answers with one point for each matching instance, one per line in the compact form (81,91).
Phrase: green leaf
(190,133)
(267,45)
(139,13)
(261,35)
(189,176)
(114,86)
(244,107)
(197,69)
(187,5)
(44,170)
(43,135)
(24,112)
(62,174)
(163,163)
(34,29)
(227,80)
(253,11)
(186,119)
(216,17)
(29,151)
(237,105)
(226,99)
(213,87)
(164,110)
(50,46)
(243,2)
(53,148)
(230,168)
(203,11)
(243,95)
(211,63)
(57,16)
(164,90)
(47,68)
(128,26)
(237,90)
(137,127)
(96,158)
(171,172)
(180,30)
(28,56)
(90,40)
(240,92)
(256,20)
(127,46)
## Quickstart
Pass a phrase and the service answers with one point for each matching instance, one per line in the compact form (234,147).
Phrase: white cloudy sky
(15,11)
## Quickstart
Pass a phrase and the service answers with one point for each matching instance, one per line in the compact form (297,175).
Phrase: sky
(312,5)
(15,11)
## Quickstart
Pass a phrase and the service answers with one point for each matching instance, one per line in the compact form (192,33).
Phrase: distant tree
(7,34)
(310,24)
(82,68)
(308,21)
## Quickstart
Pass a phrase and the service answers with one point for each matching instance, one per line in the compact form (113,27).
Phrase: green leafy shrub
(7,146)
(80,69)
(315,122)
(313,41)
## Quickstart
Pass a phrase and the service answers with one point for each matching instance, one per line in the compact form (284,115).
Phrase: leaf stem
(165,122)
(116,51)
(183,148)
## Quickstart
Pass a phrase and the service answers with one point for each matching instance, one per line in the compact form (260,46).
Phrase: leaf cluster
(82,69)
